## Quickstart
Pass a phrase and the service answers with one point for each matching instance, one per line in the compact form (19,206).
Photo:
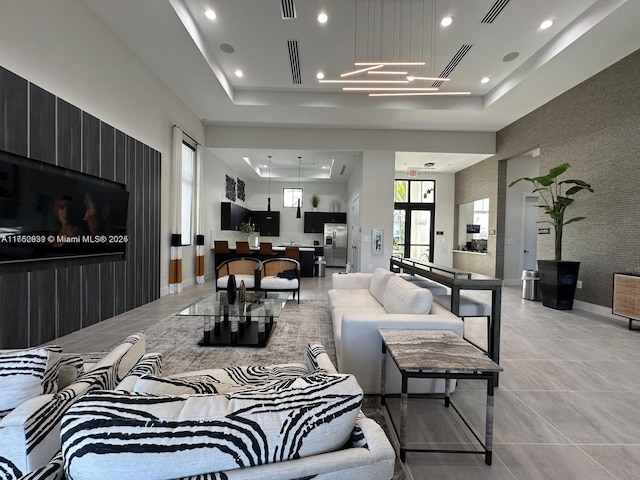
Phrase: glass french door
(413,232)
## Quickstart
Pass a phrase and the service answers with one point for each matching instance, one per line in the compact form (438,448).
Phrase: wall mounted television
(49,212)
(473,228)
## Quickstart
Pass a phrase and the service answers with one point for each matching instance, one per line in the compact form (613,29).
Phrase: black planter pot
(558,283)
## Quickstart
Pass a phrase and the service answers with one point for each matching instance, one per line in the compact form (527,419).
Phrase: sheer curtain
(175,264)
(199,216)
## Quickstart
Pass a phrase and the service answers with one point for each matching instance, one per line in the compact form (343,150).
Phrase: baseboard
(186,283)
(598,309)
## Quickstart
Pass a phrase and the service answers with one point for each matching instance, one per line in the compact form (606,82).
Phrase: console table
(458,280)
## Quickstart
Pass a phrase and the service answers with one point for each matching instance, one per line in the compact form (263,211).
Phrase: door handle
(526,251)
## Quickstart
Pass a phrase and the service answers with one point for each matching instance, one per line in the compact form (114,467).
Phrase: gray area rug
(298,325)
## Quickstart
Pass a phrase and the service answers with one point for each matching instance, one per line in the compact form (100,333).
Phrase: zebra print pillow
(25,374)
(219,380)
(116,434)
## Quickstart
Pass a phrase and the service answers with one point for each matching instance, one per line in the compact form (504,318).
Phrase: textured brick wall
(595,127)
(475,183)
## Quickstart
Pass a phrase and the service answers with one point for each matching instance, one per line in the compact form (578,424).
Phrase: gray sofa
(362,303)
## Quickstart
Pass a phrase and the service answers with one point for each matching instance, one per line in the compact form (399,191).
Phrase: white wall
(518,167)
(376,207)
(63,48)
(445,192)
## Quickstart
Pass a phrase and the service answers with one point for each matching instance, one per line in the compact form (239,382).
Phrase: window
(414,218)
(188,175)
(291,196)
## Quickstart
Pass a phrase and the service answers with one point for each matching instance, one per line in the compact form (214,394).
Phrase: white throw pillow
(378,284)
(117,434)
(401,296)
(25,374)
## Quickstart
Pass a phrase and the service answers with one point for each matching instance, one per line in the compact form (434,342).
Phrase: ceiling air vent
(288,8)
(453,63)
(294,61)
(494,11)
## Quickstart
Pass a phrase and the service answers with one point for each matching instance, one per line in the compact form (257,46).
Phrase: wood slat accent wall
(43,300)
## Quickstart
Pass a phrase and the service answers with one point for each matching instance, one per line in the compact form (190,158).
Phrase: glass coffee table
(240,324)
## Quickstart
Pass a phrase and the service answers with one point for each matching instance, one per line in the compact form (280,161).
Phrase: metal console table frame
(437,354)
(459,280)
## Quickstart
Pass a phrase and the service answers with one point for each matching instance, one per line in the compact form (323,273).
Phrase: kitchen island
(307,256)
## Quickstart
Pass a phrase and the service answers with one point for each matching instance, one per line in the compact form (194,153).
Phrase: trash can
(319,265)
(530,285)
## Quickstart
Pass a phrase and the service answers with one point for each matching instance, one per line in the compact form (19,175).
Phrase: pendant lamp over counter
(269,197)
(298,215)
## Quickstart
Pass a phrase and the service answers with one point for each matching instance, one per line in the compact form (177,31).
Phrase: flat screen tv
(472,228)
(49,212)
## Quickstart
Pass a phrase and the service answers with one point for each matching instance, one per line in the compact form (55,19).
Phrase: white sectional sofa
(30,432)
(362,303)
(271,422)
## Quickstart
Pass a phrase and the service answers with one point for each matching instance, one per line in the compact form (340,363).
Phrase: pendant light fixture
(269,197)
(298,214)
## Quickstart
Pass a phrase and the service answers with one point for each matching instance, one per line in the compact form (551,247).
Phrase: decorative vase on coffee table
(231,289)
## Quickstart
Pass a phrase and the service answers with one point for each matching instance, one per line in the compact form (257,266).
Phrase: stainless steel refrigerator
(335,244)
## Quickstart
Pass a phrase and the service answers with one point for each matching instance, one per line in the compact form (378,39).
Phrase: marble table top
(435,351)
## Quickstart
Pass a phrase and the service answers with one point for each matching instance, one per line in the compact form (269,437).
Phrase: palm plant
(555,201)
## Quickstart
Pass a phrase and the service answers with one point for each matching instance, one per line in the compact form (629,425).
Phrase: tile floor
(568,404)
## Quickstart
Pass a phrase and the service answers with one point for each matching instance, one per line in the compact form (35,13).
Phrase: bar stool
(221,246)
(266,248)
(292,252)
(243,248)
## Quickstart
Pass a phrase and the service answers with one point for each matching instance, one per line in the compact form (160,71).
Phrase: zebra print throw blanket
(116,434)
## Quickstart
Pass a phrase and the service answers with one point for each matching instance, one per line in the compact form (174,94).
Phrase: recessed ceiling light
(239,73)
(211,15)
(319,75)
(322,17)
(446,21)
(485,80)
(226,48)
(510,57)
(546,24)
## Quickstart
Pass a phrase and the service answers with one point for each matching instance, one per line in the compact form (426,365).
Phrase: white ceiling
(182,46)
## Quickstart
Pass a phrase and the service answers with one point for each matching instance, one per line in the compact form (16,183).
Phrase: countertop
(276,249)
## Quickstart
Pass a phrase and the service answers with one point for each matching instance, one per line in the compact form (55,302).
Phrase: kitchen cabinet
(314,221)
(232,215)
(267,223)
